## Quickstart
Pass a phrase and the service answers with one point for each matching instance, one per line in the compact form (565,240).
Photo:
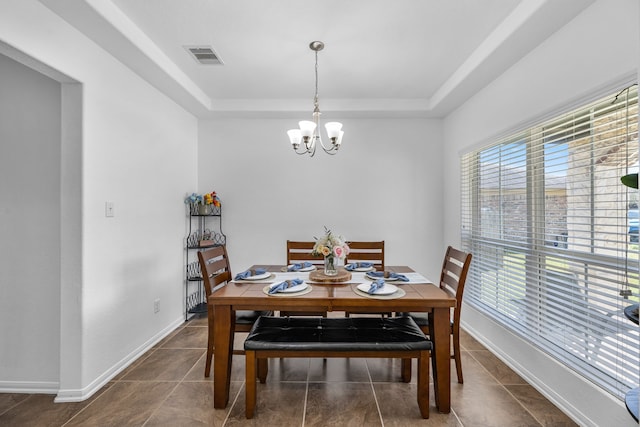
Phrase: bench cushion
(337,334)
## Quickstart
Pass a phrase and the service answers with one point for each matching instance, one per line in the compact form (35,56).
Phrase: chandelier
(308,134)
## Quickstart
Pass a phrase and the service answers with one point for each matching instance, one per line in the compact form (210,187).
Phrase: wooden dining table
(418,297)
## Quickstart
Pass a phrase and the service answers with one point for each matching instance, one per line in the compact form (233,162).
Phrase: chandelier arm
(308,149)
(333,150)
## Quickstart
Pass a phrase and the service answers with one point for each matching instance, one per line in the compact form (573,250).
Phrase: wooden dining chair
(216,273)
(367,252)
(452,279)
(298,252)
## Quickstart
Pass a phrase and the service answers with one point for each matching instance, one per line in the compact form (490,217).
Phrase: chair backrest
(214,265)
(367,252)
(301,252)
(454,275)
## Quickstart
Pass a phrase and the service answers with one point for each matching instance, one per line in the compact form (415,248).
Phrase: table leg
(223,351)
(440,330)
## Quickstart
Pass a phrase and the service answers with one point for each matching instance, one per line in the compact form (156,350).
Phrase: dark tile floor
(166,387)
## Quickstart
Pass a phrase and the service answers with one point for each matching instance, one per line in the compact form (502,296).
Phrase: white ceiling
(381,57)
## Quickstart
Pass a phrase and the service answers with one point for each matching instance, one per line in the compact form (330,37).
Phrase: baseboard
(581,400)
(29,387)
(78,395)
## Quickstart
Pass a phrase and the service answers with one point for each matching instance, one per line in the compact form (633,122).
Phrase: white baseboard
(28,387)
(78,395)
(581,400)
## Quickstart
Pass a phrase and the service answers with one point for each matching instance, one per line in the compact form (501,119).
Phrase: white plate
(303,270)
(297,288)
(258,276)
(387,289)
(386,279)
(363,269)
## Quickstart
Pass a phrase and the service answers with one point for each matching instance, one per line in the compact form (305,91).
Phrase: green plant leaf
(630,180)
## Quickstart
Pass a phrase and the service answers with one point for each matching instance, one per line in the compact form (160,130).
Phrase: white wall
(385,183)
(29,225)
(598,49)
(136,148)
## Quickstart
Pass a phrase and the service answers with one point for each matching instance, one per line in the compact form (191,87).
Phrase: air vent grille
(204,55)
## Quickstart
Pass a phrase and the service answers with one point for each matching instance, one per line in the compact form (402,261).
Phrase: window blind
(554,235)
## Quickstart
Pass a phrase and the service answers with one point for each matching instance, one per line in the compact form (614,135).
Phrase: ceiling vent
(204,55)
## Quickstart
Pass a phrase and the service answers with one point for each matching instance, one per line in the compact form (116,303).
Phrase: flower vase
(330,268)
(204,209)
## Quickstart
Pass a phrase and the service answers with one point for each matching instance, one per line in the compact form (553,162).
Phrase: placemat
(397,294)
(287,294)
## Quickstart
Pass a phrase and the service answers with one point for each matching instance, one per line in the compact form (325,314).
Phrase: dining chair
(298,252)
(452,279)
(363,251)
(367,252)
(216,273)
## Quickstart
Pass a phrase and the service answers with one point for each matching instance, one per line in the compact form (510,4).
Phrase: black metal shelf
(204,232)
(199,308)
(204,246)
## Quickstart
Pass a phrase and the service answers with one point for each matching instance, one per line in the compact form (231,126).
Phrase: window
(554,235)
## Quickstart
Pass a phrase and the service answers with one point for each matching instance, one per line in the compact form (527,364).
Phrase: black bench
(390,337)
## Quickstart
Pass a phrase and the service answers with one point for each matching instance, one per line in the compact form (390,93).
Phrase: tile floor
(166,387)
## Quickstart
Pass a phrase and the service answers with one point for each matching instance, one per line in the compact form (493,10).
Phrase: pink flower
(338,251)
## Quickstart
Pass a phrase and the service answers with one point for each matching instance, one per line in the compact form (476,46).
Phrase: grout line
(470,352)
(94,397)
(455,414)
(161,403)
(233,403)
(306,393)
(172,390)
(373,390)
(16,404)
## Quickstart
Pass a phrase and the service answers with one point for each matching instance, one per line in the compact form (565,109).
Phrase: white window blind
(554,236)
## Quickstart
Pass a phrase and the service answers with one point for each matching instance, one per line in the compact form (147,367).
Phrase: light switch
(108,209)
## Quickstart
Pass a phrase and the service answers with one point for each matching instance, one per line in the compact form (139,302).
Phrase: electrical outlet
(156,306)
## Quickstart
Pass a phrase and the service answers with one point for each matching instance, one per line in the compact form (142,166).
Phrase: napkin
(389,275)
(354,265)
(250,273)
(285,285)
(378,284)
(297,266)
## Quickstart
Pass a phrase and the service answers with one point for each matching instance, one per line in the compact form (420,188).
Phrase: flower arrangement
(204,199)
(330,245)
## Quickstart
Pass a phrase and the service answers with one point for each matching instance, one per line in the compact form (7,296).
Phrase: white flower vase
(330,268)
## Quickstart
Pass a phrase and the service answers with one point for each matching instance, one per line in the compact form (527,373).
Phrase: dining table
(417,294)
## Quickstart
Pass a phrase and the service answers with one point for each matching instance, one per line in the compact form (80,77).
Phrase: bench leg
(406,370)
(263,369)
(250,392)
(423,383)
